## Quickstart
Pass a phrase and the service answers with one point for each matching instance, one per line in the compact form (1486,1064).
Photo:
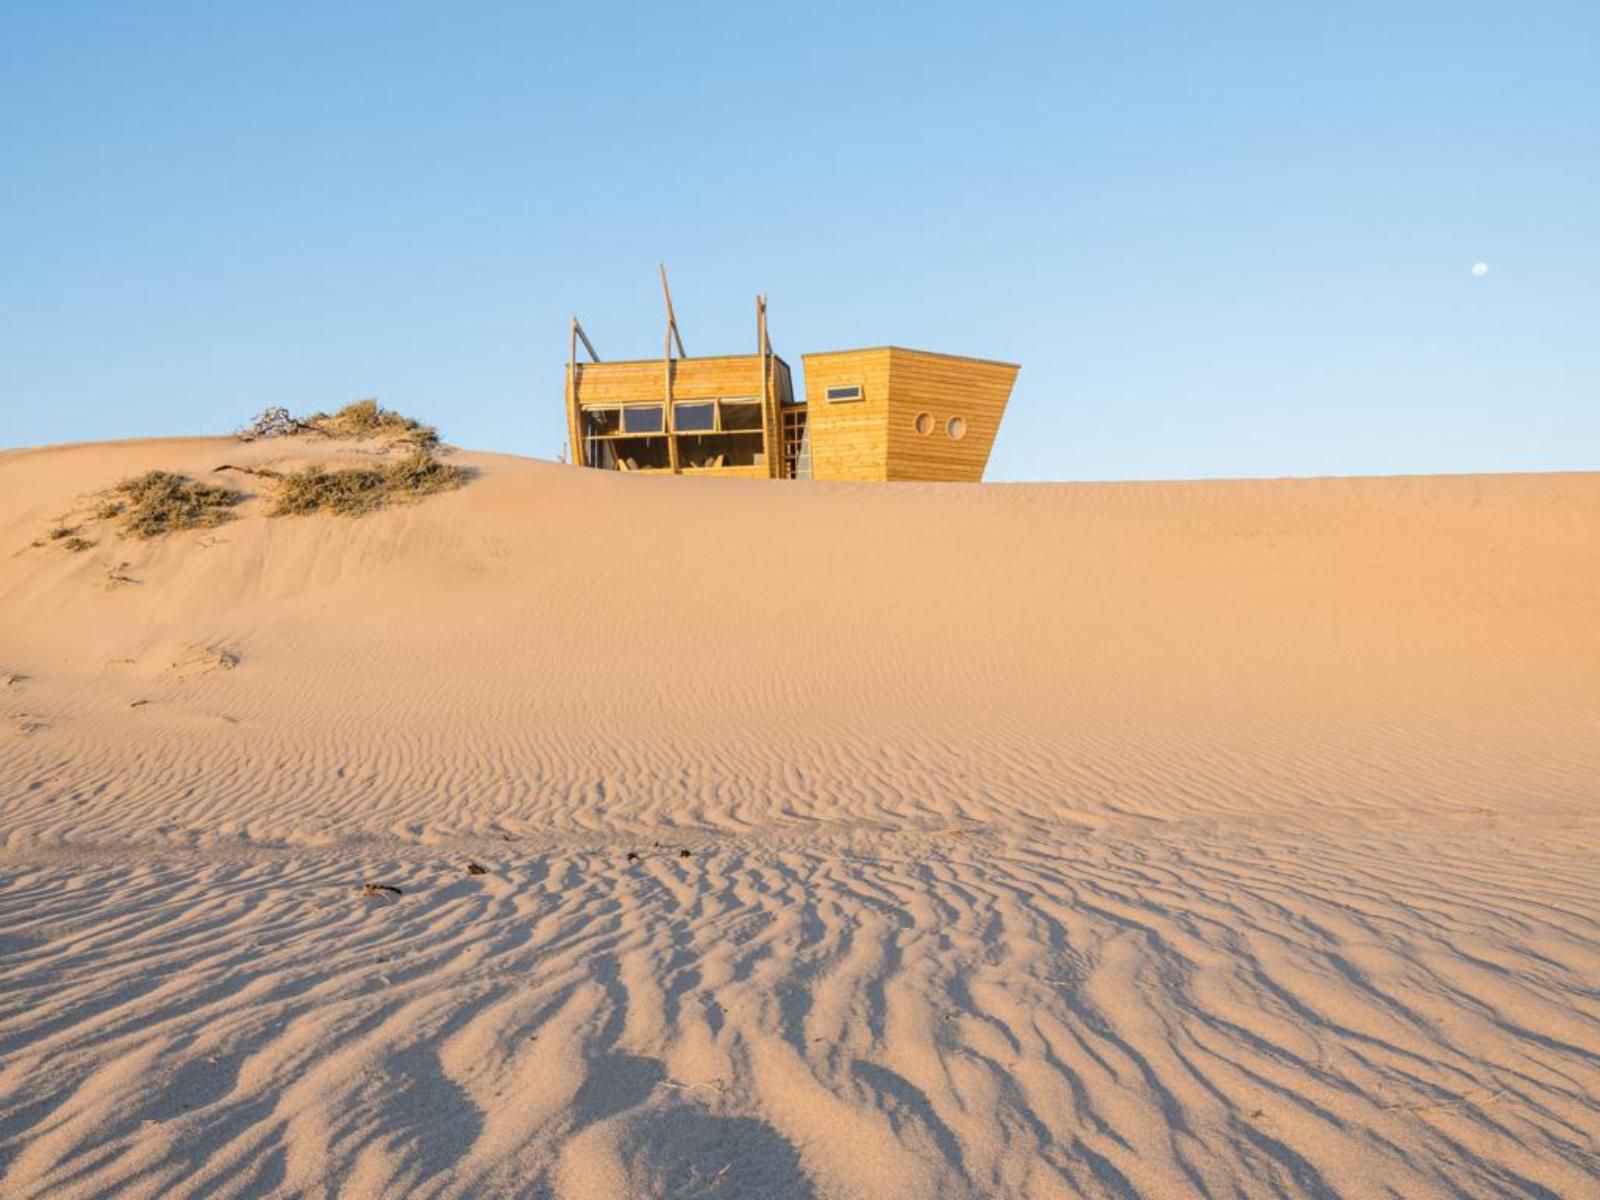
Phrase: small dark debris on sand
(260,472)
(380,889)
(476,869)
(685,853)
(633,856)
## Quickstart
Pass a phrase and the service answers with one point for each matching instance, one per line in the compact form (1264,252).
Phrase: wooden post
(769,417)
(574,420)
(667,423)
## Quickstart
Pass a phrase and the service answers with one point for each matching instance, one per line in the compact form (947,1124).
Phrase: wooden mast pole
(672,317)
(769,418)
(667,423)
(574,441)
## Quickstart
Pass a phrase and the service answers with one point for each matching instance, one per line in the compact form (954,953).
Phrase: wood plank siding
(880,414)
(921,415)
(849,439)
(642,381)
(648,382)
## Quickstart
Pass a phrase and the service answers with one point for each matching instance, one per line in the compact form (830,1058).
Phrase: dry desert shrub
(362,419)
(368,418)
(354,491)
(273,422)
(161,502)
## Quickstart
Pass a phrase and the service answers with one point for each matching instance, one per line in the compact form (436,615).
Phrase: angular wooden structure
(719,419)
(885,413)
(890,413)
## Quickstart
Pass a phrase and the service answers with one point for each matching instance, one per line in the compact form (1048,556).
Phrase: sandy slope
(1212,839)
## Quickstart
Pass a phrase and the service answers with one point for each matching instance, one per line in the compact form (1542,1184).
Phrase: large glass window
(694,417)
(741,414)
(642,418)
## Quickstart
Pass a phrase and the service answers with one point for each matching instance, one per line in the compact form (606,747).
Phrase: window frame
(660,425)
(743,403)
(677,409)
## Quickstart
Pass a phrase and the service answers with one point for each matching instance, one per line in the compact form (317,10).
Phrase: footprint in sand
(203,660)
(24,724)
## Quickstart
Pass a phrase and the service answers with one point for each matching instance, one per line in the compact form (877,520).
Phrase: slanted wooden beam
(577,329)
(672,317)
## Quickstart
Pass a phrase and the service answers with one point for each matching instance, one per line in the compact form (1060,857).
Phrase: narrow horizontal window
(839,395)
(642,418)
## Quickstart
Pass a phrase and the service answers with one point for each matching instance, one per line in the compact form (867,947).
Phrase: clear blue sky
(1222,239)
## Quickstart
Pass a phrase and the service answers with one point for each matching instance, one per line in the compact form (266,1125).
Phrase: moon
(1480,269)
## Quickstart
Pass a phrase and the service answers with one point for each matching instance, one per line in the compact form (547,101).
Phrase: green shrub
(368,418)
(354,491)
(160,502)
(421,474)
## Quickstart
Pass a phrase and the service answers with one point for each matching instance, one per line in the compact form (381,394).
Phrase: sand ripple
(1128,1012)
(1211,840)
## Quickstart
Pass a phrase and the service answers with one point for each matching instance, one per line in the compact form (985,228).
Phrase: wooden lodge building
(878,414)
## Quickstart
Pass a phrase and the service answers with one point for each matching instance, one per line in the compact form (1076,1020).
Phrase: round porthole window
(956,427)
(924,423)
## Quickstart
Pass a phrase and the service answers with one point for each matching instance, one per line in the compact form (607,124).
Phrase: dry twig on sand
(276,421)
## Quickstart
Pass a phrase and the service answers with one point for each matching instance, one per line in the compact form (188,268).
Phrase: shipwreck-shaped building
(881,414)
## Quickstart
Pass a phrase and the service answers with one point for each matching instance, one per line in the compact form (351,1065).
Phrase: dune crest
(1222,838)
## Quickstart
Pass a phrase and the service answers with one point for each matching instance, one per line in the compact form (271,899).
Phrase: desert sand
(1220,839)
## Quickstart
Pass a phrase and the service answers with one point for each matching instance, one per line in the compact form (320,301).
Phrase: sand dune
(1156,840)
